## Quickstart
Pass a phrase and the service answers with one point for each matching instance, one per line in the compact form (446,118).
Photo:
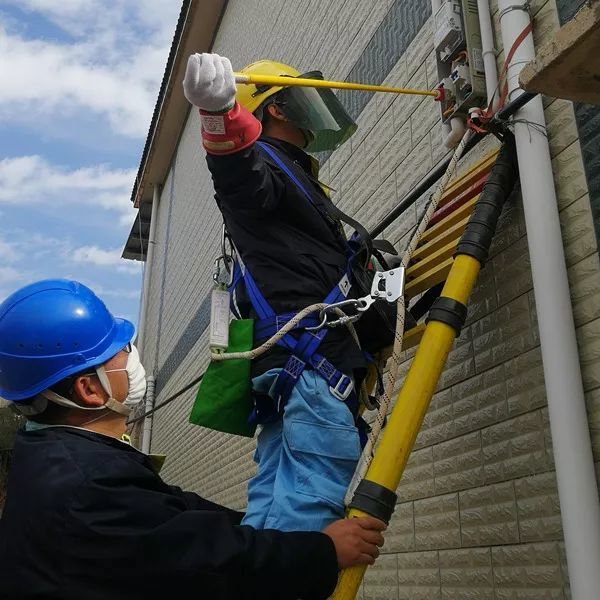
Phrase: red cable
(487,114)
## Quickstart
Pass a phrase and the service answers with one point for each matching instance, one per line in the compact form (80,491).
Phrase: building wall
(478,512)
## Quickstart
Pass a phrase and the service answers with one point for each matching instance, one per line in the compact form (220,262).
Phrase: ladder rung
(417,269)
(413,336)
(475,172)
(445,237)
(454,217)
(429,279)
(474,190)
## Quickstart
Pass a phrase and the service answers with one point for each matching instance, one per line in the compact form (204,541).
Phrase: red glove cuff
(229,132)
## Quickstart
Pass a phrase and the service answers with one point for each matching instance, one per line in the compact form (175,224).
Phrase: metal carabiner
(226,259)
(228,263)
(225,240)
(323,314)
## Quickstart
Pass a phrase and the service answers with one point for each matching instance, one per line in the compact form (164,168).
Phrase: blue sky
(78,84)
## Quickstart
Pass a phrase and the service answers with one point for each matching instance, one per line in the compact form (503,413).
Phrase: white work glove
(209,83)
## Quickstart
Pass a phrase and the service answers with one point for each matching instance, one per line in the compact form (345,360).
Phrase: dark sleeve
(195,502)
(246,180)
(126,514)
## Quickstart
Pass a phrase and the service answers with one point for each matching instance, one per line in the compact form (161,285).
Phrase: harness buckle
(339,391)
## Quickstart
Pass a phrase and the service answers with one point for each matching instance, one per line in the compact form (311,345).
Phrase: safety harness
(304,350)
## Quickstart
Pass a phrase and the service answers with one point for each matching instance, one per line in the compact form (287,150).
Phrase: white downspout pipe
(148,269)
(488,52)
(578,493)
(147,430)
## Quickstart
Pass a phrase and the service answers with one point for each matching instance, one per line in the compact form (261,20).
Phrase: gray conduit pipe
(578,493)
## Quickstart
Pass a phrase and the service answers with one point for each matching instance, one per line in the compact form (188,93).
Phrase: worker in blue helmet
(88,516)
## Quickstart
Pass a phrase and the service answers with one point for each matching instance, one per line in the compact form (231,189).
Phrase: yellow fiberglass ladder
(451,251)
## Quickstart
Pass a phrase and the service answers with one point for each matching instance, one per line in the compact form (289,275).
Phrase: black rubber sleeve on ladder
(449,311)
(477,238)
(374,499)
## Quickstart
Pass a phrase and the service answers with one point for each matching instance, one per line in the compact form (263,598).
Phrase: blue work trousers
(305,460)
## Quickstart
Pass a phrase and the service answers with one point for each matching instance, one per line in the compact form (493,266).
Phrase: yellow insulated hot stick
(273,80)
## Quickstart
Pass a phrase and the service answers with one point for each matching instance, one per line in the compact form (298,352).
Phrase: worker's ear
(275,112)
(88,391)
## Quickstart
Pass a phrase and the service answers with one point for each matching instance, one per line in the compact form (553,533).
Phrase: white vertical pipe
(148,269)
(488,52)
(579,503)
(147,430)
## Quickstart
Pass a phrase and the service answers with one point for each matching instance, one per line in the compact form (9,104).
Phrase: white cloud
(33,180)
(84,17)
(10,275)
(102,257)
(105,292)
(97,256)
(41,79)
(8,252)
(112,65)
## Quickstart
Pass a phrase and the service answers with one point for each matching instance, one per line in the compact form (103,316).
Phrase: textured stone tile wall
(478,512)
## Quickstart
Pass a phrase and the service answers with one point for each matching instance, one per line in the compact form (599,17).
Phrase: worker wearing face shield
(292,252)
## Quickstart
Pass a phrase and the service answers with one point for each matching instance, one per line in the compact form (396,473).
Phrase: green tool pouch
(224,401)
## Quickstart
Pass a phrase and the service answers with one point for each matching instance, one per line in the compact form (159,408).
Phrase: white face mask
(136,374)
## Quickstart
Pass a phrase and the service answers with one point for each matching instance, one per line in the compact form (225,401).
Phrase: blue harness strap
(303,351)
(266,328)
(271,152)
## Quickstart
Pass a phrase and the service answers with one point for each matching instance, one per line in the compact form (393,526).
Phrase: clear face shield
(318,112)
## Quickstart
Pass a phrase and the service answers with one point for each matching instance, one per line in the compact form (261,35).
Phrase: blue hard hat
(52,329)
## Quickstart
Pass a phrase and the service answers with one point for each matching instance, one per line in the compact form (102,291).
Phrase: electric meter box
(448,29)
(457,40)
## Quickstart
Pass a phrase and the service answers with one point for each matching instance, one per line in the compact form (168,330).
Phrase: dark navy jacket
(87,517)
(295,251)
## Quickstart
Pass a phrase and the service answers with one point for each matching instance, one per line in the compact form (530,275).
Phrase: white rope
(266,346)
(394,367)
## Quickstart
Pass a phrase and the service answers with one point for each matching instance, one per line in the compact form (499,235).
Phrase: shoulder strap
(332,210)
